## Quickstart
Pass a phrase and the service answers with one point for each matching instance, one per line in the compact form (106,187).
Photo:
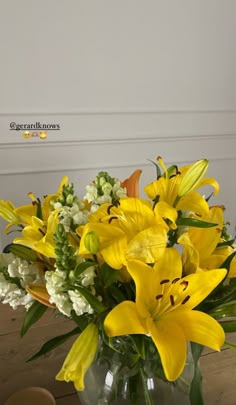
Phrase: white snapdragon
(66,299)
(104,189)
(13,268)
(56,287)
(119,191)
(80,305)
(72,215)
(11,294)
(26,272)
(91,193)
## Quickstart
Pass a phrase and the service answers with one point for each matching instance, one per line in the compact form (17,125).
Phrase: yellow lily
(27,211)
(179,189)
(164,310)
(200,245)
(38,235)
(80,357)
(131,230)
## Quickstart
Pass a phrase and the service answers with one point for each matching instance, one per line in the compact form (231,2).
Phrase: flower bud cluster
(104,189)
(65,253)
(15,275)
(71,208)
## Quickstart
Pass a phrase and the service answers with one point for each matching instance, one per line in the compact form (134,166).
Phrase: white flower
(11,268)
(26,272)
(118,191)
(72,215)
(107,188)
(91,192)
(87,277)
(80,304)
(55,285)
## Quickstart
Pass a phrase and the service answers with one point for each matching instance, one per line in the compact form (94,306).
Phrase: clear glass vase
(114,380)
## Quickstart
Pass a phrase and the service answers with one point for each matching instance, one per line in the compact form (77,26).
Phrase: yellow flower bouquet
(148,281)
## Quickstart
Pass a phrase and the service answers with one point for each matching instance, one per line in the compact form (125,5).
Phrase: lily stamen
(185,283)
(175,280)
(111,219)
(164,281)
(185,299)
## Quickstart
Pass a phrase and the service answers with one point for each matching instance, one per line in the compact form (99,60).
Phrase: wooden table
(219,369)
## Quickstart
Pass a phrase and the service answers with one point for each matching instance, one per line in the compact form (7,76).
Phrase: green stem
(147,394)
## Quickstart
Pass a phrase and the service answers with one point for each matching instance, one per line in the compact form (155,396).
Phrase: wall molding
(158,139)
(105,126)
(119,112)
(39,157)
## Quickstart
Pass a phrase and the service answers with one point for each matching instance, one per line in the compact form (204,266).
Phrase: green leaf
(228,326)
(226,243)
(33,315)
(196,223)
(230,345)
(225,310)
(226,263)
(23,252)
(81,267)
(109,275)
(81,320)
(196,396)
(92,300)
(158,171)
(116,293)
(53,343)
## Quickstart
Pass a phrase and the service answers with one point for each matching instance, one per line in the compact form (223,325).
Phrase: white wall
(127,80)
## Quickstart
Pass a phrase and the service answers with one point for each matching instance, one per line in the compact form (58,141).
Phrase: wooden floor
(219,369)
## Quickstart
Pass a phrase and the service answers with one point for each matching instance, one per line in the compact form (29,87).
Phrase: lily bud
(91,242)
(192,177)
(80,357)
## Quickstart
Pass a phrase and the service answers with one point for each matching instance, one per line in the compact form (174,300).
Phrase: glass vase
(121,379)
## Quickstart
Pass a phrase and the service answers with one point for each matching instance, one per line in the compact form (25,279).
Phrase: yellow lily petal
(124,320)
(63,182)
(205,240)
(7,228)
(197,287)
(210,182)
(80,357)
(199,327)
(171,344)
(193,202)
(26,212)
(148,245)
(190,256)
(166,211)
(7,211)
(113,243)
